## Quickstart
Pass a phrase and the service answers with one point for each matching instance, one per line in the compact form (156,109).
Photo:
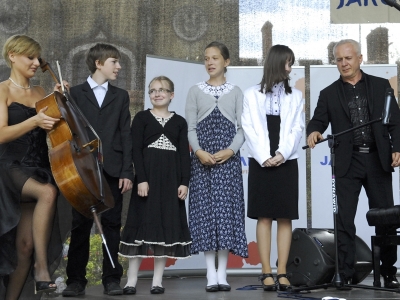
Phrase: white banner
(363,11)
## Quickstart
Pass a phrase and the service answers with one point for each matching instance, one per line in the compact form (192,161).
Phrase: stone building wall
(67,28)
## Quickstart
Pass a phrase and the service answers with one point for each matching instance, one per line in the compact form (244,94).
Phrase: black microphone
(386,109)
(393,3)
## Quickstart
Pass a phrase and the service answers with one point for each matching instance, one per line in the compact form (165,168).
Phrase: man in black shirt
(364,157)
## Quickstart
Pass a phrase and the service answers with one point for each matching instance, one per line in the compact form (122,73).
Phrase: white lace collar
(216,91)
(161,118)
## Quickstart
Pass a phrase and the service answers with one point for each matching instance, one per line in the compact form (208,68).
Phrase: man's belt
(365,149)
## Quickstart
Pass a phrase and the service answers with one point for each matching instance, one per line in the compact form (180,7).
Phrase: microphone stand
(337,280)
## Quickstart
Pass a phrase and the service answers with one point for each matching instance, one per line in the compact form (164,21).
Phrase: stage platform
(192,288)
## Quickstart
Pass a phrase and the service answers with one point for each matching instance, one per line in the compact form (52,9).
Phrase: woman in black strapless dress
(27,190)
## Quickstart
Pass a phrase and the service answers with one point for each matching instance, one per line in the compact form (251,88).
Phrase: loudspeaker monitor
(312,257)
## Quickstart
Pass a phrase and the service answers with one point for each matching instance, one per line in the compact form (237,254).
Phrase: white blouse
(273,99)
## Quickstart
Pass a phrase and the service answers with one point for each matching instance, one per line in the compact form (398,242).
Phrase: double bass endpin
(96,219)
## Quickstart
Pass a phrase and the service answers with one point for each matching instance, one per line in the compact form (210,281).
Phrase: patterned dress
(216,204)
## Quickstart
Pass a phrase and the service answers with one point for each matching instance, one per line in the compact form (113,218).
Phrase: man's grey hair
(355,44)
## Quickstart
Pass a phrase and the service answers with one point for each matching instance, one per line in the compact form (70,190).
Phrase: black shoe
(280,286)
(74,289)
(390,282)
(129,290)
(224,287)
(44,286)
(113,288)
(267,287)
(212,288)
(157,290)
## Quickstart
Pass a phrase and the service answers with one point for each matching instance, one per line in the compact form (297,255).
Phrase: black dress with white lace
(156,225)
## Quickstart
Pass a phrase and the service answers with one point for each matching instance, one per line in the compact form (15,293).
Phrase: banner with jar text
(363,11)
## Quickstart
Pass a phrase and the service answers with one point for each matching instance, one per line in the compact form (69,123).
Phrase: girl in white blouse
(273,122)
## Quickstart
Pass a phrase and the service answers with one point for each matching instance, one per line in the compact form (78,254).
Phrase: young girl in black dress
(156,225)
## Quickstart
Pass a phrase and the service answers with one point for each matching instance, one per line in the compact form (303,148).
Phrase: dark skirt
(273,192)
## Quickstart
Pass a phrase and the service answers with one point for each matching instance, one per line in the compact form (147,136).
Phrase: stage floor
(192,288)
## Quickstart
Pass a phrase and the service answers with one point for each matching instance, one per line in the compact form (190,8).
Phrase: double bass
(77,172)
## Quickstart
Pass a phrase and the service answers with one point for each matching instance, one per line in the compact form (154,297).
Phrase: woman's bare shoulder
(4,91)
(40,90)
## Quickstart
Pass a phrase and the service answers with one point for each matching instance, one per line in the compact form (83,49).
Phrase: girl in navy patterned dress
(156,224)
(216,204)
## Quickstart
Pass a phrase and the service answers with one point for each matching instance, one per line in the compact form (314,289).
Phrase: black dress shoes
(129,290)
(113,288)
(74,289)
(212,288)
(390,282)
(157,290)
(224,287)
(267,287)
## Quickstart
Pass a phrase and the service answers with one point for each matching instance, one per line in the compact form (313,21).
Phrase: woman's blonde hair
(21,45)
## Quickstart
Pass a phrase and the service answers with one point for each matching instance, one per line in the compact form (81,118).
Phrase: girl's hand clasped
(275,161)
(223,155)
(209,159)
(205,158)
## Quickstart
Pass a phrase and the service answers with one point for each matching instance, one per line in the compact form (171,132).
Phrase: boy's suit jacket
(111,122)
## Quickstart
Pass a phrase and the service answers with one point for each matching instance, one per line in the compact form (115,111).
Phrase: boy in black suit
(106,107)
